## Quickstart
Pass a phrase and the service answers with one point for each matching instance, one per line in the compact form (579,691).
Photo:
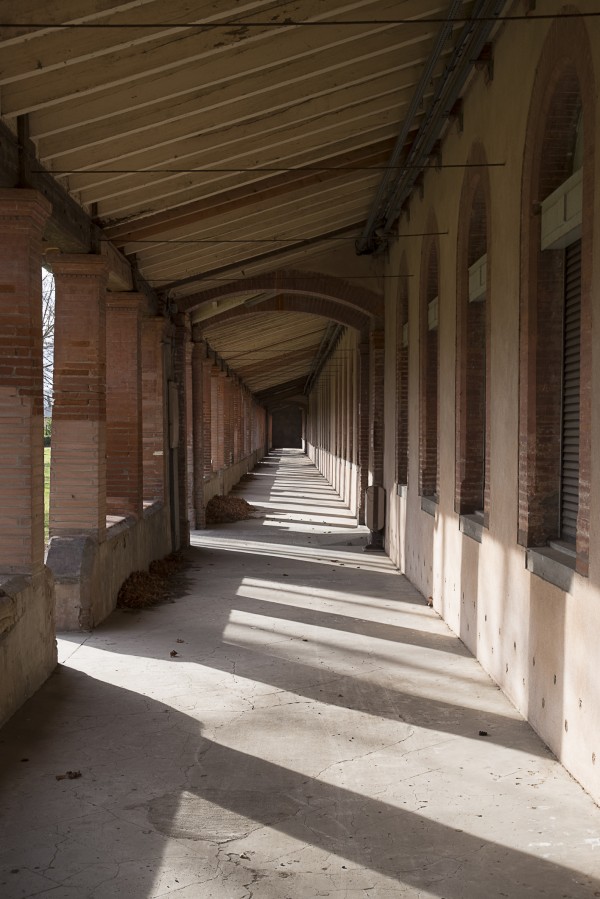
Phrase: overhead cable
(300,169)
(298,23)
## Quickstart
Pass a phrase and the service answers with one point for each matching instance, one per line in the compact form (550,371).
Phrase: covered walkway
(297,724)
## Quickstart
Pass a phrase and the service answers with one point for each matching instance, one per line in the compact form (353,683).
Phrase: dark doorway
(287,427)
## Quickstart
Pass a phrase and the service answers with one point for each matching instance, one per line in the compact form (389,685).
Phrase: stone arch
(284,302)
(316,286)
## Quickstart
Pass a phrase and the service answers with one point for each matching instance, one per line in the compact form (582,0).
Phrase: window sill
(472,526)
(554,563)
(429,504)
(402,489)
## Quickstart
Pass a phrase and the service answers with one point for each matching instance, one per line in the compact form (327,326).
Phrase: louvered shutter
(569,502)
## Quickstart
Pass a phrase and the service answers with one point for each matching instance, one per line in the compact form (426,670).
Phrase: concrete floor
(317,734)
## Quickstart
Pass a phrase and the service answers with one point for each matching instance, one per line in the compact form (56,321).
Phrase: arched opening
(402,344)
(557,222)
(472,346)
(429,368)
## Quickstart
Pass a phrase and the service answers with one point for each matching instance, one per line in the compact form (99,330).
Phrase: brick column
(206,418)
(376,376)
(183,377)
(124,478)
(198,366)
(22,217)
(237,395)
(78,479)
(219,424)
(247,423)
(153,409)
(228,422)
(363,426)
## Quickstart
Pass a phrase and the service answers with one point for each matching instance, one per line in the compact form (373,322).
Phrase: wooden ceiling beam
(295,83)
(293,215)
(170,88)
(291,157)
(286,388)
(244,196)
(56,14)
(46,51)
(207,258)
(168,54)
(312,160)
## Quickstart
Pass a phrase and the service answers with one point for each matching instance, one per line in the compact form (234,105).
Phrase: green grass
(46,490)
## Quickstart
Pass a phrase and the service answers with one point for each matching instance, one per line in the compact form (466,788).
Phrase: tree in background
(48,337)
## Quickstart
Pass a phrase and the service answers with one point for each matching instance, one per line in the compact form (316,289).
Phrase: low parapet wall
(88,574)
(27,642)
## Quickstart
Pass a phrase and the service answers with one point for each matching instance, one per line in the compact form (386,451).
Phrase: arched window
(557,224)
(402,377)
(429,369)
(472,359)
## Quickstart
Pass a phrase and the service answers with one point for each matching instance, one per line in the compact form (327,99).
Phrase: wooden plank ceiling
(243,145)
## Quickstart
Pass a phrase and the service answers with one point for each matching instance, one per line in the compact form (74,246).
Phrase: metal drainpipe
(364,243)
(471,41)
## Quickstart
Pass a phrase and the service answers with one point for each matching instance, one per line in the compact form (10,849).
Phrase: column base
(375,543)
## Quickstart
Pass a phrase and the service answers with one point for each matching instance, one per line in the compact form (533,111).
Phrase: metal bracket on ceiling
(419,184)
(485,62)
(374,244)
(456,114)
(436,155)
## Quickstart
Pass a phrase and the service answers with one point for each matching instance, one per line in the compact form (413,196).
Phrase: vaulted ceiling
(214,139)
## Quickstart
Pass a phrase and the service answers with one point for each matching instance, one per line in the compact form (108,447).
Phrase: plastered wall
(538,642)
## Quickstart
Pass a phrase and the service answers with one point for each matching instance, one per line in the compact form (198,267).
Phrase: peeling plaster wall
(27,643)
(538,642)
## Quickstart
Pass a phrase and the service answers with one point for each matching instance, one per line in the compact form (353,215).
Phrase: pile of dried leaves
(147,588)
(225,509)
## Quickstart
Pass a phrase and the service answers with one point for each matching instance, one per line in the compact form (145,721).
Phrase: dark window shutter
(569,492)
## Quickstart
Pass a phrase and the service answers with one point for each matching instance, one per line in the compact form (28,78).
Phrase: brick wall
(182,373)
(563,89)
(429,370)
(78,460)
(123,405)
(153,409)
(22,217)
(376,376)
(472,346)
(401,444)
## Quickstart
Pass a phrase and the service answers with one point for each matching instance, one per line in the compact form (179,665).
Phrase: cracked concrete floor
(317,734)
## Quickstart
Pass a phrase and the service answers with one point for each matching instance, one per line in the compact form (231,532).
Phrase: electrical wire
(250,240)
(297,23)
(269,169)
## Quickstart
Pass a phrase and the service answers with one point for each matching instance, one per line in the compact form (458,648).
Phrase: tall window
(557,223)
(429,366)
(472,358)
(402,377)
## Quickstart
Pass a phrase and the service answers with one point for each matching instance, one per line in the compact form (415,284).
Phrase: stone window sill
(554,563)
(402,490)
(472,526)
(429,504)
